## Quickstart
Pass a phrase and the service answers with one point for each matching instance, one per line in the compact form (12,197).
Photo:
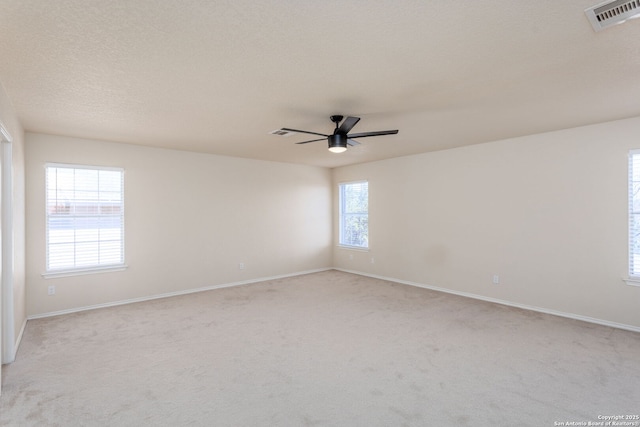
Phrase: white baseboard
(171,294)
(19,340)
(375,276)
(499,301)
(17,344)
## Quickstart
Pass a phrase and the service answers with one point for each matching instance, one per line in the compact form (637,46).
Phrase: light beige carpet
(326,349)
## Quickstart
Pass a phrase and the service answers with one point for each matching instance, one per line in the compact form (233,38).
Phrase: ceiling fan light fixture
(338,143)
(340,138)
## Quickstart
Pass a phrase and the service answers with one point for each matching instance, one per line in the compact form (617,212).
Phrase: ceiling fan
(340,137)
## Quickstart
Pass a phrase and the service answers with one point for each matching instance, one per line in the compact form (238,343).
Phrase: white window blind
(634,214)
(85,217)
(354,214)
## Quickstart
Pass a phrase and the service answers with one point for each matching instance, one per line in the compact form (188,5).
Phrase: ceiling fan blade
(304,131)
(348,124)
(365,134)
(352,142)
(313,140)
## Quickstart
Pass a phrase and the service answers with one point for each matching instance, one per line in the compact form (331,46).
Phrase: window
(634,215)
(354,214)
(85,218)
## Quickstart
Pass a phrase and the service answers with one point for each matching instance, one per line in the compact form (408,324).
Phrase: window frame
(633,271)
(89,268)
(341,215)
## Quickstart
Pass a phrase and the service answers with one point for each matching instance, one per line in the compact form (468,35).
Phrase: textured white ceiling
(218,76)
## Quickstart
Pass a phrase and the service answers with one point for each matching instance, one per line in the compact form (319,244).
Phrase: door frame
(7,318)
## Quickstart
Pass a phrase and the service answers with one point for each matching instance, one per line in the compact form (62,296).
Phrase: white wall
(9,120)
(547,213)
(189,220)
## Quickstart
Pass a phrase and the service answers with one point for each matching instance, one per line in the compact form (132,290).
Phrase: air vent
(611,13)
(281,132)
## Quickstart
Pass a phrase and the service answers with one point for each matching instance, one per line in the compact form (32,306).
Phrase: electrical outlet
(496,279)
(373,261)
(241,266)
(51,290)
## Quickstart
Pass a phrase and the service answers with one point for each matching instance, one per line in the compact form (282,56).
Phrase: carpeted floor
(325,349)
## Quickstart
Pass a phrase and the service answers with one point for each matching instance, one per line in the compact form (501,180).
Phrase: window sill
(354,248)
(632,281)
(83,271)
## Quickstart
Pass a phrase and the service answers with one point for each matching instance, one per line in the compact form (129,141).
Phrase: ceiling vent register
(611,13)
